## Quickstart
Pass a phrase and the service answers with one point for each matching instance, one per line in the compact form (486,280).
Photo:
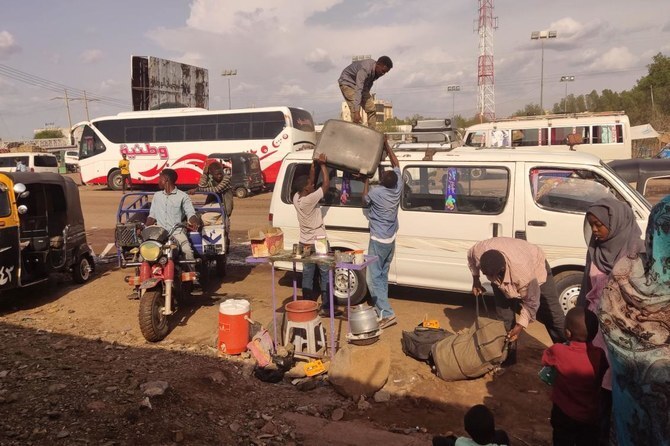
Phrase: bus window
(559,135)
(476,139)
(607,134)
(302,120)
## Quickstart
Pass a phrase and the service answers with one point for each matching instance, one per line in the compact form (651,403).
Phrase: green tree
(529,110)
(49,133)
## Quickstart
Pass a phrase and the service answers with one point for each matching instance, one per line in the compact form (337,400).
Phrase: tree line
(647,102)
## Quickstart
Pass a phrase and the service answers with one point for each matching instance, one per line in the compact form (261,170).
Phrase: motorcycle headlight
(150,251)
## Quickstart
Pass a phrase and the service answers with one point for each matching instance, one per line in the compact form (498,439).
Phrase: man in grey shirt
(169,207)
(356,82)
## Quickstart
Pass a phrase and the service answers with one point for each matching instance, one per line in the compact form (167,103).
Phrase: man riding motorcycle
(169,207)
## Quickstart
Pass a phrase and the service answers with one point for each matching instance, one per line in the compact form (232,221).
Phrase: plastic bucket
(233,327)
(301,310)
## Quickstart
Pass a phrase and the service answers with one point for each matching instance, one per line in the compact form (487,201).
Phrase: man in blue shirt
(383,216)
(356,82)
(170,207)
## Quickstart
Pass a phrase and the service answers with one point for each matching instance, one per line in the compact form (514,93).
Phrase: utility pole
(67,105)
(651,87)
(86,101)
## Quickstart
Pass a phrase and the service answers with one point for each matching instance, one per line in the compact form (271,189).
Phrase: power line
(56,87)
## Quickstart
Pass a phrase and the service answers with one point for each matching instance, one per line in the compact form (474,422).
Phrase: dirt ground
(74,366)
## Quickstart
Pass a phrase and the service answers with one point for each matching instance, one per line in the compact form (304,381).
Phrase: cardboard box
(266,241)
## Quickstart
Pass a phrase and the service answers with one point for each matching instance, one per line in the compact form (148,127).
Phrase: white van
(604,134)
(35,162)
(457,198)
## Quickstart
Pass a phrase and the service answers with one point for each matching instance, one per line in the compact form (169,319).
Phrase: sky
(291,52)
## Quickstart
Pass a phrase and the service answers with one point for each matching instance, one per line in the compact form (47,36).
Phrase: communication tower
(486,98)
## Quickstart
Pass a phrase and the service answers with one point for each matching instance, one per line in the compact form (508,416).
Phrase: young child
(480,425)
(576,388)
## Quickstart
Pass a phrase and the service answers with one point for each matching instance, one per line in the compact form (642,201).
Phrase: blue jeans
(308,270)
(378,276)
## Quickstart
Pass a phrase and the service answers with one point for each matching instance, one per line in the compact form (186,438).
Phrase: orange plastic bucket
(233,327)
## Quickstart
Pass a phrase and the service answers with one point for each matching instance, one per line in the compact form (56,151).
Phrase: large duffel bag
(477,351)
(418,343)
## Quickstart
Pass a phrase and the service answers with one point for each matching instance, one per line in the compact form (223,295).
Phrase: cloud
(319,61)
(8,45)
(618,58)
(109,85)
(91,56)
(291,90)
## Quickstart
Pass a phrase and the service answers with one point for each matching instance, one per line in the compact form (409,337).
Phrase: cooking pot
(363,319)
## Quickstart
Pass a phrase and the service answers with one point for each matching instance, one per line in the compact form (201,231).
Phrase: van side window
(559,135)
(452,189)
(568,190)
(344,190)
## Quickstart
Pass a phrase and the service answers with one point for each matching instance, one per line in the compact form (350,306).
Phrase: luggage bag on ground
(418,343)
(482,348)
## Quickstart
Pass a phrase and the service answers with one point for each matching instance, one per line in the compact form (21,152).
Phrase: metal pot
(363,319)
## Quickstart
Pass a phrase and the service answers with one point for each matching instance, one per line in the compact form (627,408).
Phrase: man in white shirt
(306,202)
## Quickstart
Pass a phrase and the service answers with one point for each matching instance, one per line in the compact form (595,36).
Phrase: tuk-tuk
(245,171)
(41,230)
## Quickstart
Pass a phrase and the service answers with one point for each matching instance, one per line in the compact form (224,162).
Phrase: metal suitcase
(350,147)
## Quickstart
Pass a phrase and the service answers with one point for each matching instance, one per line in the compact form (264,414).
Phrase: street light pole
(453,89)
(566,79)
(228,74)
(541,35)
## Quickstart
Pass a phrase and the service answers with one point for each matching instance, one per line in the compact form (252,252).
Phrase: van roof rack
(560,115)
(442,134)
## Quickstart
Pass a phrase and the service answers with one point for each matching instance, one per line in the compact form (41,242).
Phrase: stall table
(318,260)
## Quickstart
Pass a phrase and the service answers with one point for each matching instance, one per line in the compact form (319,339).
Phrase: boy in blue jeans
(580,366)
(383,201)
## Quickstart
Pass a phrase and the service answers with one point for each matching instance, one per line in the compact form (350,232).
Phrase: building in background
(384,111)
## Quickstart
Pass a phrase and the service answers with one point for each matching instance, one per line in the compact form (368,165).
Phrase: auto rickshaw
(41,230)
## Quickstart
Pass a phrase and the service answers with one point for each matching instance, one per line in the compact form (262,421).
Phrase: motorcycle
(162,280)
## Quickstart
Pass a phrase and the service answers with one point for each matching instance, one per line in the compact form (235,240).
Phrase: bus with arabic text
(182,138)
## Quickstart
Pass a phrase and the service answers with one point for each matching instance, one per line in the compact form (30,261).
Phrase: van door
(556,201)
(445,209)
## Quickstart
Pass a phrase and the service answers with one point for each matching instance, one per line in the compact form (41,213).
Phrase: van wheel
(347,281)
(81,272)
(568,285)
(241,192)
(115,180)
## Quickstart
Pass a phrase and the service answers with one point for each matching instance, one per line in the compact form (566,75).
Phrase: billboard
(160,83)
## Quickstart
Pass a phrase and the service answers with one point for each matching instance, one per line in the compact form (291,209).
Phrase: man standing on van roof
(356,82)
(383,216)
(523,286)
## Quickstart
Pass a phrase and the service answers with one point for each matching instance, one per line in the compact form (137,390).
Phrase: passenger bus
(604,134)
(182,138)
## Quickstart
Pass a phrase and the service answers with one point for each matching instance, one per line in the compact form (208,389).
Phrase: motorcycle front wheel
(153,323)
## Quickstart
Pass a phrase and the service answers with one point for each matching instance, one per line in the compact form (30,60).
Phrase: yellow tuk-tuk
(41,230)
